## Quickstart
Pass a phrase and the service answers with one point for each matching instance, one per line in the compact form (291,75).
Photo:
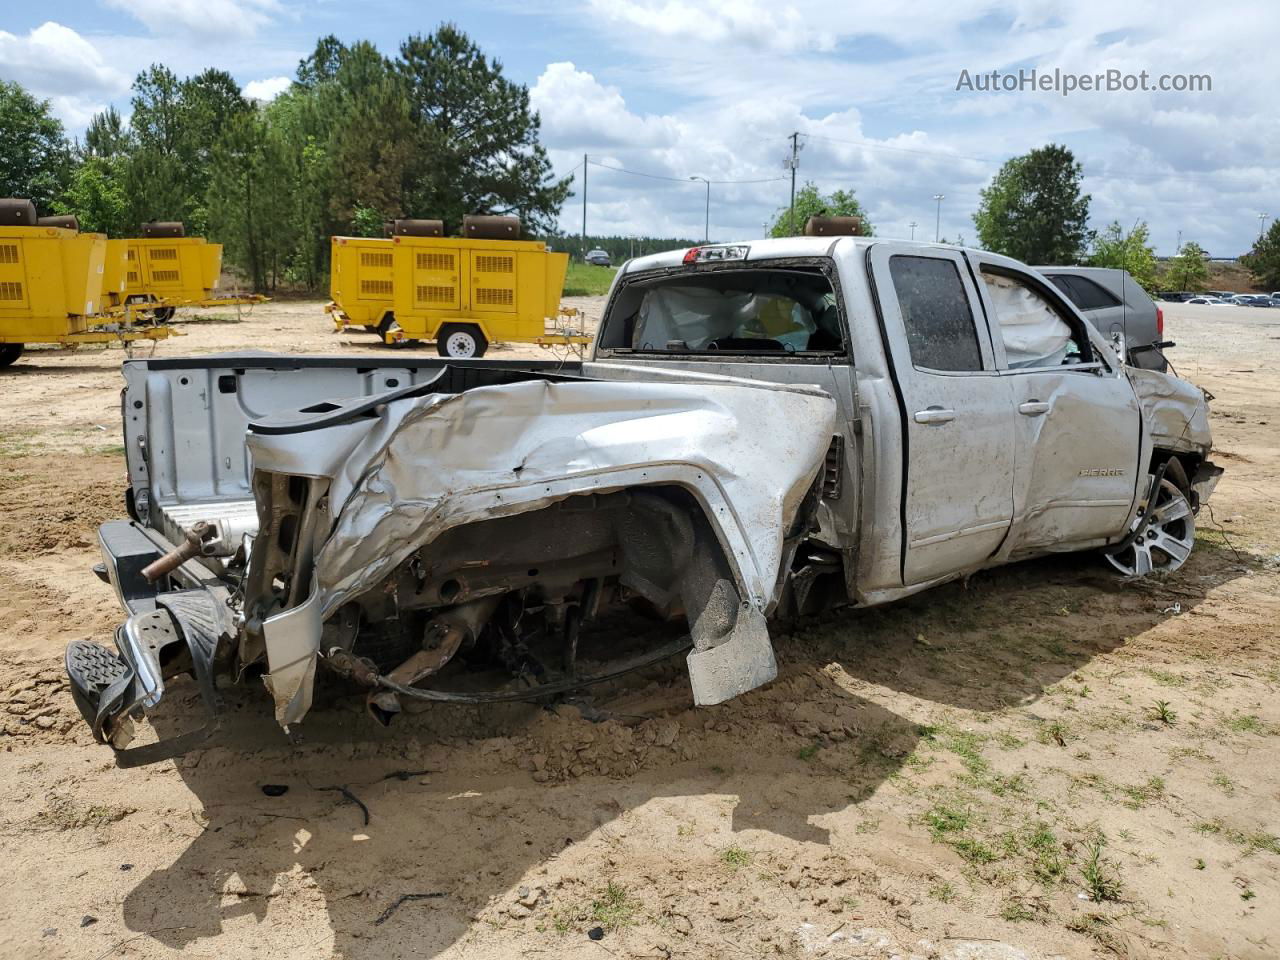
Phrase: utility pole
(583,251)
(913,226)
(793,162)
(706,226)
(937,223)
(1262,223)
(1178,247)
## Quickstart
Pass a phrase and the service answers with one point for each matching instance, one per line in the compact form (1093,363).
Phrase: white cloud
(577,109)
(224,19)
(56,63)
(266,90)
(749,23)
(742,77)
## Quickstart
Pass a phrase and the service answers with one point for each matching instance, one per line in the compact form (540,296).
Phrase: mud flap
(742,661)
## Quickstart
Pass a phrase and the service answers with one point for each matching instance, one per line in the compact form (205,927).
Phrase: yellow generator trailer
(462,292)
(166,268)
(51,284)
(113,275)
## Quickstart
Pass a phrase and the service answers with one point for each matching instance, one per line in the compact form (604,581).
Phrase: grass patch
(1161,712)
(587,279)
(809,752)
(1015,911)
(614,908)
(1101,881)
(943,892)
(1224,783)
(1141,794)
(1246,723)
(736,857)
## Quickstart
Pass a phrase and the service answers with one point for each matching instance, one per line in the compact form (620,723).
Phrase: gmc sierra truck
(762,430)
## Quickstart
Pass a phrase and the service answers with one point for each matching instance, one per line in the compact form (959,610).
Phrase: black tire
(461,341)
(384,325)
(9,353)
(163,314)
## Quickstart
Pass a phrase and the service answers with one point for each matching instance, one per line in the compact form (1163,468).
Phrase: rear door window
(936,313)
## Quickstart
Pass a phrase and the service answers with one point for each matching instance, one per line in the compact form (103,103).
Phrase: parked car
(599,257)
(1115,303)
(762,430)
(1211,301)
(1252,300)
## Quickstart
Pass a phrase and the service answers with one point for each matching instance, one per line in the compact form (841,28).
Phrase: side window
(1034,332)
(1085,293)
(936,313)
(1068,289)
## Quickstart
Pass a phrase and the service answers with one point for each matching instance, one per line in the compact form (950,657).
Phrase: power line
(658,176)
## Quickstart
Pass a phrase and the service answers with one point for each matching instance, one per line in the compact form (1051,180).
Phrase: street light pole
(913,226)
(706,227)
(1262,224)
(937,223)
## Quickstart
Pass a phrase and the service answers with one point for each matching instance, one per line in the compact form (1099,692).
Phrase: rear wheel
(1166,536)
(461,341)
(163,314)
(9,352)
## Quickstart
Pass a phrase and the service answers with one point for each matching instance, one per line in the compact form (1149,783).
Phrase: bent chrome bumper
(112,689)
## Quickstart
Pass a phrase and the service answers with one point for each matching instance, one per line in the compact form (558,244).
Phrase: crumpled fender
(747,453)
(1176,412)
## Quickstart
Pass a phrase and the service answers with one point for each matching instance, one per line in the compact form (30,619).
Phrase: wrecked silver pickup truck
(761,431)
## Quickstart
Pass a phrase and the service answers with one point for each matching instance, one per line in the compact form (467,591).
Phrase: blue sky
(681,89)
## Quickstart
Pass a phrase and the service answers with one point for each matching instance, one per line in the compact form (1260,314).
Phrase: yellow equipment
(51,286)
(463,293)
(113,275)
(170,272)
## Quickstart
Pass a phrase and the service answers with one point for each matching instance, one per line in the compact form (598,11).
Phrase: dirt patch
(1043,762)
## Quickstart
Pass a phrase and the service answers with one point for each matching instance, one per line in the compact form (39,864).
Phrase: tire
(385,326)
(1167,533)
(163,314)
(461,341)
(9,353)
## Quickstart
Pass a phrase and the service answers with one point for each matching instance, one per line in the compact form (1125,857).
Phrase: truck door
(958,435)
(1078,425)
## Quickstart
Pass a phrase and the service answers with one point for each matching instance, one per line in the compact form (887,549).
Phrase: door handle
(935,416)
(1033,408)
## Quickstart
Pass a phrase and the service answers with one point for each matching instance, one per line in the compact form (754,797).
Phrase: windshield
(764,310)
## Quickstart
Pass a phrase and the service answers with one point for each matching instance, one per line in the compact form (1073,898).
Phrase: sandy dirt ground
(1045,762)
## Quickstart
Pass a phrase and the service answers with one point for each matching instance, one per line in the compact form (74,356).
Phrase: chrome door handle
(935,416)
(1033,408)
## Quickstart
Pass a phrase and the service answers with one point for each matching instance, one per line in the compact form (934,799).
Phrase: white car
(1211,301)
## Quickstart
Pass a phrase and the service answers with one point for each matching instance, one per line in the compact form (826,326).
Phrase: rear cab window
(761,309)
(936,313)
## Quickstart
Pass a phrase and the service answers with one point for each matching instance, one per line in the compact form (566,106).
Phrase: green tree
(175,126)
(811,203)
(1263,260)
(1127,251)
(371,135)
(107,135)
(1189,270)
(35,157)
(250,198)
(96,196)
(476,144)
(1034,210)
